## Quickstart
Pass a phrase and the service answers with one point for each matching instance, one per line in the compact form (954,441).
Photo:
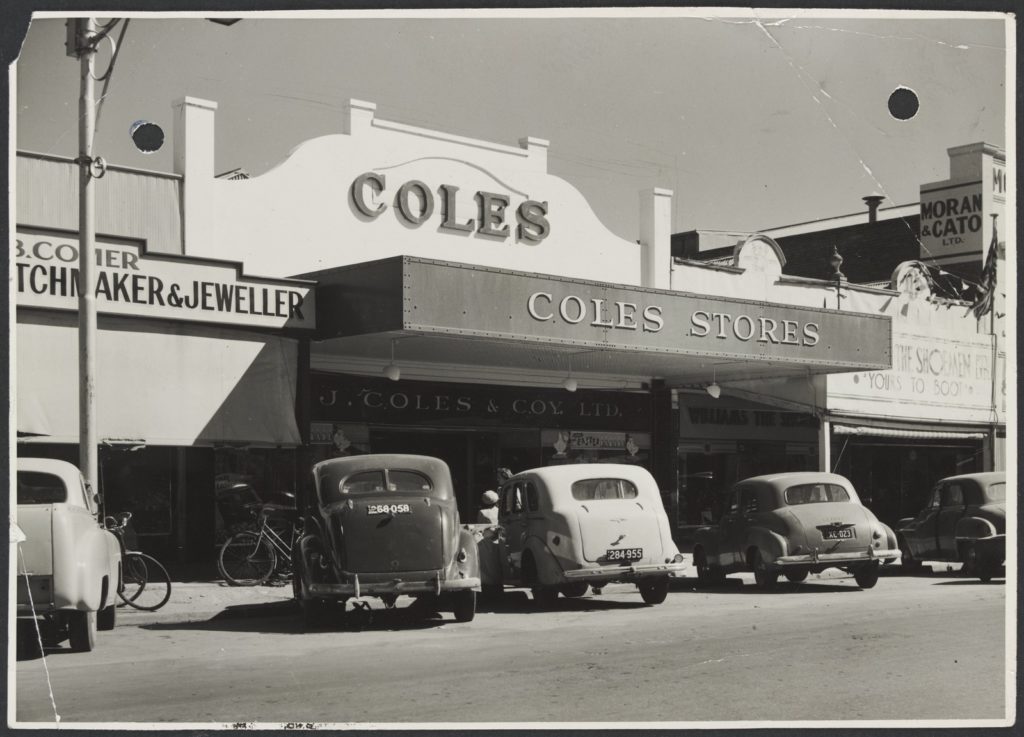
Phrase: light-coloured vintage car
(964,520)
(68,565)
(384,525)
(565,528)
(795,524)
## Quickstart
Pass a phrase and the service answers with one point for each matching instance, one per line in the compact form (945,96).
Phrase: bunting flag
(987,288)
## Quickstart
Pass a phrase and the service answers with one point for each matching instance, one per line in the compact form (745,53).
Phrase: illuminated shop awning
(157,383)
(441,312)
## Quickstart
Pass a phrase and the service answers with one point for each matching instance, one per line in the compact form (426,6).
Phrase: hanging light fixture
(570,384)
(713,389)
(392,371)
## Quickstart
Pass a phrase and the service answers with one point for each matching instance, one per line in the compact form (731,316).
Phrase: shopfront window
(140,481)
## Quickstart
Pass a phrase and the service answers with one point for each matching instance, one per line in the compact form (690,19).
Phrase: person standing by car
(488,514)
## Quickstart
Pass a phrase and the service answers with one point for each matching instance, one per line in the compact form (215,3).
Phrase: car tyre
(908,562)
(866,576)
(464,606)
(795,575)
(82,631)
(705,573)
(764,576)
(654,592)
(106,618)
(545,596)
(575,590)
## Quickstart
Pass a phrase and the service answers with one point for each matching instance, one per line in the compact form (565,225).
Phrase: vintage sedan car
(794,524)
(384,525)
(68,565)
(964,520)
(566,528)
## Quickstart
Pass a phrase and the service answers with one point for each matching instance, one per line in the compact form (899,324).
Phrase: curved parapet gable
(382,189)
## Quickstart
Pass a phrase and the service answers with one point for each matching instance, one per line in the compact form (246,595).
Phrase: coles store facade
(457,300)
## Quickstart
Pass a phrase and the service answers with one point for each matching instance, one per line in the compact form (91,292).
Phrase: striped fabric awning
(889,432)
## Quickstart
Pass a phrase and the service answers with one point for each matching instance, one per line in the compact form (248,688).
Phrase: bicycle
(250,558)
(145,583)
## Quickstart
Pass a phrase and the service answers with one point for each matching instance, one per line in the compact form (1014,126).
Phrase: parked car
(68,565)
(384,525)
(964,520)
(794,524)
(566,528)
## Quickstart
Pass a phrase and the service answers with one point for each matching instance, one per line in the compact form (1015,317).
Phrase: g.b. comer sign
(131,282)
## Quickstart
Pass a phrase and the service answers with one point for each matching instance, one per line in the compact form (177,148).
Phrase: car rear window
(588,490)
(36,487)
(370,482)
(997,492)
(816,493)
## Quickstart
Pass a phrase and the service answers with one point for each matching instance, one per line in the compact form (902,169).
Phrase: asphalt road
(912,648)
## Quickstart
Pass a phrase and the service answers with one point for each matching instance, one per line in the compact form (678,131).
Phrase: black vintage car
(382,526)
(964,520)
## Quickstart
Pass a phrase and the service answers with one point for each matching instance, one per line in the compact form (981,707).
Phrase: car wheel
(575,590)
(705,573)
(464,606)
(908,562)
(82,631)
(655,591)
(795,575)
(106,619)
(545,596)
(986,570)
(866,576)
(764,576)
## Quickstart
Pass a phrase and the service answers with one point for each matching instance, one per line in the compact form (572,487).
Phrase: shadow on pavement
(28,646)
(285,617)
(971,582)
(736,586)
(520,602)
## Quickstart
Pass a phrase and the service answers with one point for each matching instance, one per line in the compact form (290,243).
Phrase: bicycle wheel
(246,559)
(134,576)
(155,587)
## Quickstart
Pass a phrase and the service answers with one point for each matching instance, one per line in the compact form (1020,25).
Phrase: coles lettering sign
(132,282)
(414,203)
(508,304)
(933,377)
(338,398)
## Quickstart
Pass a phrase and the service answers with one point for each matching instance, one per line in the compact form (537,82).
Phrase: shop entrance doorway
(472,457)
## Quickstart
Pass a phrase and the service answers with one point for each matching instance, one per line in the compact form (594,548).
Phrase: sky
(753,122)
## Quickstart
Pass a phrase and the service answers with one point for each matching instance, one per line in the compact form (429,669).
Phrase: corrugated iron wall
(129,204)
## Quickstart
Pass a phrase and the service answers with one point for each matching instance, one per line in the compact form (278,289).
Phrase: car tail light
(462,555)
(556,539)
(877,534)
(677,558)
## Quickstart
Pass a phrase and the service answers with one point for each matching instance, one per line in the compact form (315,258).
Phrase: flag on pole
(987,288)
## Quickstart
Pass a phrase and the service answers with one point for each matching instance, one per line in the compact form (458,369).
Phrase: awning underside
(157,384)
(675,370)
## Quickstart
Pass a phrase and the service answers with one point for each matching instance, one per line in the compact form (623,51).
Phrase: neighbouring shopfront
(196,380)
(933,414)
(725,440)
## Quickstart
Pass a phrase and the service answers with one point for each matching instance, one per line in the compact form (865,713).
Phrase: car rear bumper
(838,559)
(357,588)
(624,572)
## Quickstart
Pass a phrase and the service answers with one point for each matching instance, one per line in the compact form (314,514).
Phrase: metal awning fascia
(890,432)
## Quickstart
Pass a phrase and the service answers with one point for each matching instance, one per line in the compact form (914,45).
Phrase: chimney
(873,201)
